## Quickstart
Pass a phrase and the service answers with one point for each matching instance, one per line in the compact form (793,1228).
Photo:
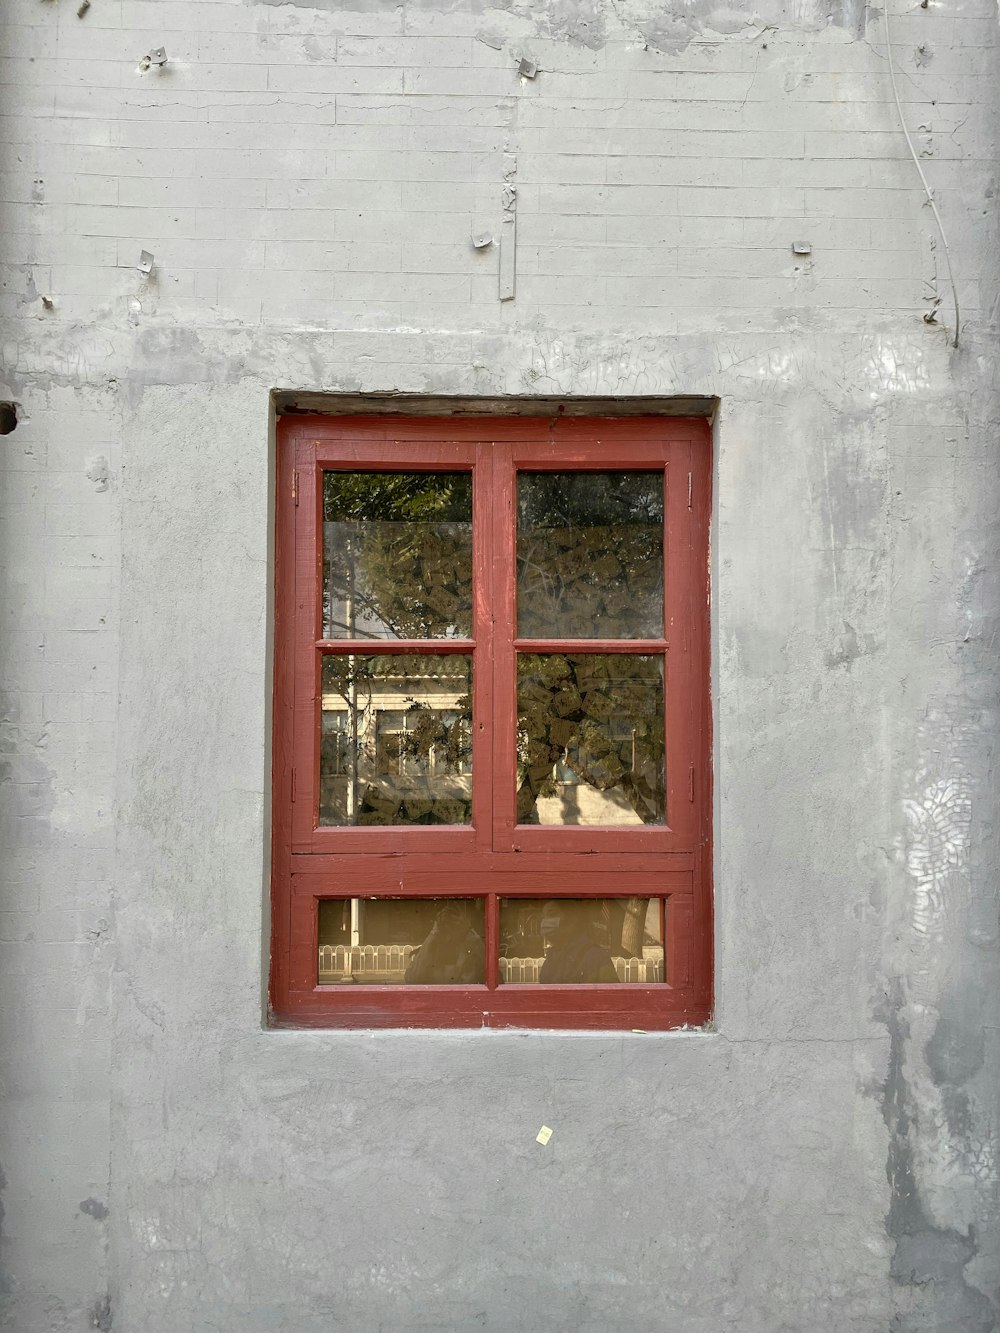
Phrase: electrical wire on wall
(920,170)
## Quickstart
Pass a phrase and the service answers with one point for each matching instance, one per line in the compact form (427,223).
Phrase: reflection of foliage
(589,554)
(397,497)
(590,582)
(398,553)
(447,732)
(589,499)
(423,792)
(570,710)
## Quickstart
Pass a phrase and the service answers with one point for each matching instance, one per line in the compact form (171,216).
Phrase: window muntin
(642,771)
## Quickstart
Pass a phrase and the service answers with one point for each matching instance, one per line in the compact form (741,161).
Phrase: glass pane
(397,555)
(401,941)
(581,941)
(590,739)
(396,741)
(590,555)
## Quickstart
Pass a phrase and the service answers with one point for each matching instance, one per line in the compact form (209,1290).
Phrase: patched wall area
(206,202)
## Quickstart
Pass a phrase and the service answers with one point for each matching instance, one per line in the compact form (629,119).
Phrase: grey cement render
(308,178)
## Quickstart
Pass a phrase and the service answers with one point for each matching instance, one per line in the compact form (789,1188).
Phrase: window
(491,723)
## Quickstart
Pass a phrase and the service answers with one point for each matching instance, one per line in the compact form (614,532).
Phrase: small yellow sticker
(543,1135)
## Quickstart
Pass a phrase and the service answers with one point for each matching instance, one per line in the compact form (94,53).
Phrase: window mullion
(499,519)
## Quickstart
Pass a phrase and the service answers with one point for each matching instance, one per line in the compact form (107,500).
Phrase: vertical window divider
(484,637)
(504,611)
(492,941)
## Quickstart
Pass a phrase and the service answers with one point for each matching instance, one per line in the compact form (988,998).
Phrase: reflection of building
(396,747)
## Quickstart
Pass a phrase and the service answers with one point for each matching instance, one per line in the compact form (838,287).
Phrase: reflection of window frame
(495,857)
(340,742)
(577,756)
(404,763)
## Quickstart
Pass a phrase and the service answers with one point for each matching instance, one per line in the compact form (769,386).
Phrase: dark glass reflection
(396,740)
(590,739)
(397,941)
(590,555)
(397,555)
(581,941)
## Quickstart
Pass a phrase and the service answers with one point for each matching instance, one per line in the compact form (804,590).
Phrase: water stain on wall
(927,1257)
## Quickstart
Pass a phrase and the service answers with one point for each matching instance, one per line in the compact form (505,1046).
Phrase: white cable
(920,170)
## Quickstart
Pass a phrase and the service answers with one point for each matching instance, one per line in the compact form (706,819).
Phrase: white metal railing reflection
(339,961)
(388,963)
(525,971)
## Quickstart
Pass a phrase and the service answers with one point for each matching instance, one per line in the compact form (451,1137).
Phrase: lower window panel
(581,941)
(593,941)
(402,941)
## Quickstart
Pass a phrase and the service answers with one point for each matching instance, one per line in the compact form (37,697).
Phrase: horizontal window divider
(324,887)
(411,840)
(424,876)
(463,859)
(591,839)
(648,1008)
(426,988)
(587,988)
(387,647)
(634,988)
(594,646)
(594,457)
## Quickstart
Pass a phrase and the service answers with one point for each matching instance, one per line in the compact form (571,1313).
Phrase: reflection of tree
(567,706)
(589,555)
(445,733)
(573,583)
(398,554)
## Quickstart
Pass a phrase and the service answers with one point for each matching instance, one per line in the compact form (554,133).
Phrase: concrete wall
(307,177)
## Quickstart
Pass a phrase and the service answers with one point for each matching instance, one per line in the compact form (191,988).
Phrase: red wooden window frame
(494,857)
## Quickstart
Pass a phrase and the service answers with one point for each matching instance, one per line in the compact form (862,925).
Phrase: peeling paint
(587,23)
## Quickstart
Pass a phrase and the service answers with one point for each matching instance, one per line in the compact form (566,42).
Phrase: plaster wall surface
(308,178)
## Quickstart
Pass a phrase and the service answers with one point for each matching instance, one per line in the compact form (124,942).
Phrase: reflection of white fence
(337,962)
(387,963)
(520,970)
(525,971)
(639,969)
